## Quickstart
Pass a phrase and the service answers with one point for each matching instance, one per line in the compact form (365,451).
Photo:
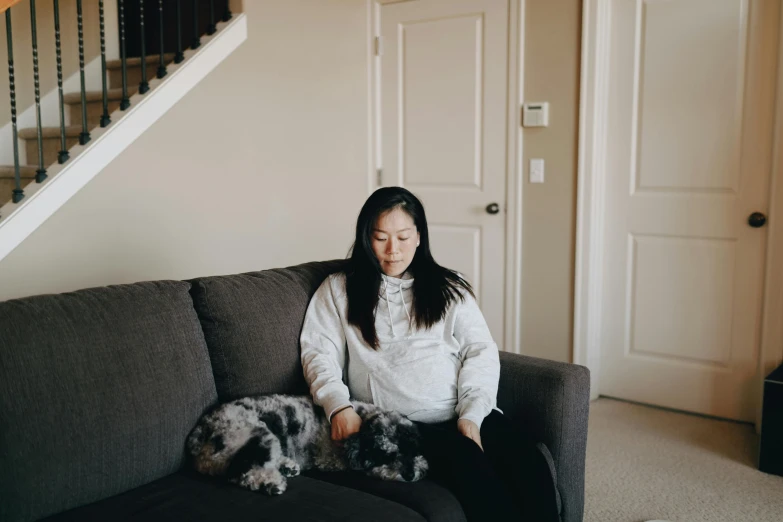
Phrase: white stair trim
(18,221)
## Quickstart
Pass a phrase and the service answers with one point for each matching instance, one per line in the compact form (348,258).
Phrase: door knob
(757,220)
(493,208)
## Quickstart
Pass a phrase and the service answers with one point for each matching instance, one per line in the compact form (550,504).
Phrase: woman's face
(394,241)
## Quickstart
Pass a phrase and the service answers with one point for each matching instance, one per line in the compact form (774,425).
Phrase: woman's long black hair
(435,288)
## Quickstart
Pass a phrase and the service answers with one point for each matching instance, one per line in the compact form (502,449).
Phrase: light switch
(536,170)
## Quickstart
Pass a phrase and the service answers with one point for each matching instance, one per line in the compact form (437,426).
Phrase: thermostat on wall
(535,114)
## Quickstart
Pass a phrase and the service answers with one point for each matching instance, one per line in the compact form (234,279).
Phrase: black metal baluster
(105,119)
(84,135)
(212,27)
(227,12)
(63,155)
(144,86)
(125,103)
(180,55)
(196,42)
(162,64)
(18,193)
(40,174)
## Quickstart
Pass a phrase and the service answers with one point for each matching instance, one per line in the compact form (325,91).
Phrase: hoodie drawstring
(388,307)
(404,306)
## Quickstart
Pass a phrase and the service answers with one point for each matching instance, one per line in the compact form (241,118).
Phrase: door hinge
(379,175)
(378,45)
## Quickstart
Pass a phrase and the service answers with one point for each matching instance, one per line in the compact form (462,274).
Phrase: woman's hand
(345,424)
(470,430)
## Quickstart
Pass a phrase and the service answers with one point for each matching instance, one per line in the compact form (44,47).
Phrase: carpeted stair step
(51,142)
(94,105)
(114,70)
(8,183)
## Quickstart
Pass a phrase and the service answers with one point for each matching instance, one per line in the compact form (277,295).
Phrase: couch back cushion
(252,324)
(98,391)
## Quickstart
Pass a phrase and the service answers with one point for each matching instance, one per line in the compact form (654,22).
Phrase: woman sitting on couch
(408,335)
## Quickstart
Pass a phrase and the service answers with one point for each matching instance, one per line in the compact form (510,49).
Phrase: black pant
(509,480)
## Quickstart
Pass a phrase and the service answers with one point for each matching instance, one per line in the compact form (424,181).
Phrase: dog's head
(387,447)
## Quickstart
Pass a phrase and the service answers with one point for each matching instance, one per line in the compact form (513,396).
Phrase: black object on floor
(771,447)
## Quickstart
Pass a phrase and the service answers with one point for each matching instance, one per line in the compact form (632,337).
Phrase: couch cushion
(431,500)
(98,391)
(252,324)
(188,497)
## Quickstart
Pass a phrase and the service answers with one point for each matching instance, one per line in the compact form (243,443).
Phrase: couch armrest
(550,401)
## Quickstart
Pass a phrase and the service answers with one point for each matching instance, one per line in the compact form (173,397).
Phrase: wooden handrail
(7,4)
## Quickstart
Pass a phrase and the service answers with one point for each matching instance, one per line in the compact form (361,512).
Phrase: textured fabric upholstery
(551,400)
(184,497)
(252,324)
(98,390)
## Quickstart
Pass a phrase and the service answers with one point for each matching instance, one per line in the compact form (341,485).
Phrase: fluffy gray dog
(256,442)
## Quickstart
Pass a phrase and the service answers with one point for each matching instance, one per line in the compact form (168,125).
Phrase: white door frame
(593,112)
(514,171)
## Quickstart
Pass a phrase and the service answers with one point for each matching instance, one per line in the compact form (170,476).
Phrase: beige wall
(264,164)
(552,52)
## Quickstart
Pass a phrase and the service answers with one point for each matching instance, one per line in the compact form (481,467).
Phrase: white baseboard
(18,221)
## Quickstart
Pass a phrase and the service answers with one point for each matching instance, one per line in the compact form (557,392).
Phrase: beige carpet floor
(644,463)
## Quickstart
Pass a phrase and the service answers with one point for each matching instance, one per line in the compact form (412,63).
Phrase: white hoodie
(430,375)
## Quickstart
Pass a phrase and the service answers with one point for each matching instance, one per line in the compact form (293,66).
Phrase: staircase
(71,154)
(52,140)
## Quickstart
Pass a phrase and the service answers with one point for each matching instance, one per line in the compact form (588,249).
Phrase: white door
(691,103)
(443,131)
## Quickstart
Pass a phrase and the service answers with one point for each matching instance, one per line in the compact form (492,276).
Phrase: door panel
(689,146)
(443,78)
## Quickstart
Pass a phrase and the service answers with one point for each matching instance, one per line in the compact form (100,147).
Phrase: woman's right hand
(345,424)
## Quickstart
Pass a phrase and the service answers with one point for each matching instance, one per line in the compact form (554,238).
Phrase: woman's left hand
(470,430)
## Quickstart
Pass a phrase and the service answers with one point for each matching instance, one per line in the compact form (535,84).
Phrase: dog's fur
(256,442)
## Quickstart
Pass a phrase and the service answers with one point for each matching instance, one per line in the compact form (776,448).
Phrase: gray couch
(99,388)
